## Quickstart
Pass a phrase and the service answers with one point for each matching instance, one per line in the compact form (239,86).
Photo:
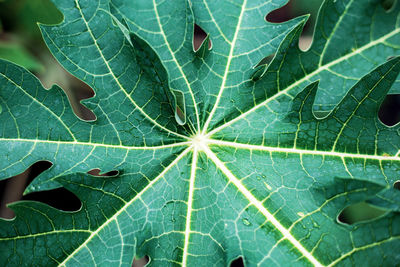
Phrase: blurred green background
(21,42)
(20,39)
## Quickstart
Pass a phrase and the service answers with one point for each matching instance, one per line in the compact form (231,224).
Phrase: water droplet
(232,101)
(268,186)
(246,222)
(301,214)
(316,225)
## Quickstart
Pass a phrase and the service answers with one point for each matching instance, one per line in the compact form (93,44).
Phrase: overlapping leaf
(216,159)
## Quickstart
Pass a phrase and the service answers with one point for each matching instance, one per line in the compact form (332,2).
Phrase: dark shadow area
(397,185)
(359,212)
(237,263)
(59,198)
(140,262)
(262,67)
(281,14)
(199,35)
(389,112)
(266,60)
(388,4)
(12,189)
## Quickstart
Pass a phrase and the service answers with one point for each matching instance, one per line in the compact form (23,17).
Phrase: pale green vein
(306,78)
(354,250)
(383,76)
(42,105)
(215,22)
(8,140)
(46,234)
(329,39)
(302,151)
(116,79)
(269,216)
(123,208)
(189,207)
(177,64)
(227,68)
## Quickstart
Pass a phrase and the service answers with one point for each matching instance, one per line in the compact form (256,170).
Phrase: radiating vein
(55,232)
(305,78)
(354,250)
(116,79)
(177,64)
(42,105)
(123,208)
(189,206)
(228,64)
(329,39)
(302,151)
(286,234)
(36,141)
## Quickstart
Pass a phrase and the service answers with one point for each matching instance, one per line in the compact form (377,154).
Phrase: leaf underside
(217,158)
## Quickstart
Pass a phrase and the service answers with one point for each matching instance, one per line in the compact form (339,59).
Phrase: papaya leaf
(218,156)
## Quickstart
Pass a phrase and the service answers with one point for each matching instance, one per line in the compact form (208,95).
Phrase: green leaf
(217,158)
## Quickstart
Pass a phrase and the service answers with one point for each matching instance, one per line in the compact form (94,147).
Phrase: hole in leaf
(11,189)
(59,198)
(388,5)
(75,89)
(140,262)
(266,60)
(97,172)
(389,112)
(199,35)
(396,185)
(37,168)
(359,212)
(281,14)
(261,67)
(180,108)
(78,94)
(294,9)
(237,262)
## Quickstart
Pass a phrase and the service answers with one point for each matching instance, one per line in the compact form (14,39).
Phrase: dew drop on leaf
(268,186)
(246,222)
